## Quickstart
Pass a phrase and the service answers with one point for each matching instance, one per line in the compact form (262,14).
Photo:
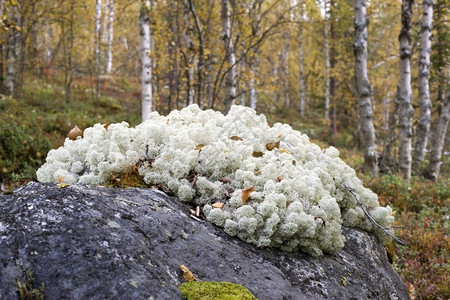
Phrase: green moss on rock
(211,290)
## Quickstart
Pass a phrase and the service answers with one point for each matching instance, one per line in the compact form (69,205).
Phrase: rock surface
(105,243)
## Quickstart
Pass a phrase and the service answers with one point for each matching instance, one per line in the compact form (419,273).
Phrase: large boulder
(86,242)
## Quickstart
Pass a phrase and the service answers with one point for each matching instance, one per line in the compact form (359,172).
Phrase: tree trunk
(364,88)
(98,22)
(201,54)
(68,74)
(438,140)
(230,83)
(423,129)
(285,67)
(110,37)
(327,69)
(146,61)
(12,50)
(254,55)
(404,92)
(301,63)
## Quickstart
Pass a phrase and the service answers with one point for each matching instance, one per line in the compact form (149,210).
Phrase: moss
(209,290)
(25,289)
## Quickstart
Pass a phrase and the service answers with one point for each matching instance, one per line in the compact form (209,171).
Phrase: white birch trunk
(423,128)
(254,58)
(110,38)
(285,67)
(364,88)
(12,52)
(146,60)
(230,83)
(327,70)
(301,59)
(98,23)
(254,72)
(438,140)
(404,92)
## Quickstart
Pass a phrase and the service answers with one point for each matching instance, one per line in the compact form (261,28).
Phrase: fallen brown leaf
(218,205)
(235,138)
(271,146)
(74,133)
(246,193)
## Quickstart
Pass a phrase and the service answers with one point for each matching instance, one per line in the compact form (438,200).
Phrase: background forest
(72,62)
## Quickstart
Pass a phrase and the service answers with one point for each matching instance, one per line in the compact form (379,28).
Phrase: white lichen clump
(204,157)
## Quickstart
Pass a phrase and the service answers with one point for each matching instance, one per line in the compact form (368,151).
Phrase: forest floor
(38,120)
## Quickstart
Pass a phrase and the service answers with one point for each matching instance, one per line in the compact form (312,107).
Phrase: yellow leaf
(63,185)
(285,151)
(257,172)
(199,147)
(257,154)
(246,193)
(74,133)
(271,146)
(218,205)
(188,274)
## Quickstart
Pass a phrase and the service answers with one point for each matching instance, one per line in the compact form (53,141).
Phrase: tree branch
(352,191)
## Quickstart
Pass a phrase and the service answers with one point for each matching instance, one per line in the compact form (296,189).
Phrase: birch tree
(146,7)
(327,63)
(301,58)
(367,134)
(404,92)
(98,22)
(110,36)
(230,82)
(438,139)
(12,49)
(254,56)
(423,128)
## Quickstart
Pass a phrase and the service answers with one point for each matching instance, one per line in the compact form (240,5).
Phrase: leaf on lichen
(106,126)
(294,162)
(60,179)
(279,178)
(285,151)
(257,154)
(257,172)
(218,205)
(279,135)
(236,138)
(199,147)
(74,133)
(62,185)
(188,274)
(246,193)
(271,146)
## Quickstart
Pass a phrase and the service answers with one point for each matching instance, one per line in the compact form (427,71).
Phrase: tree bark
(230,83)
(423,129)
(364,88)
(404,92)
(301,63)
(327,70)
(438,140)
(12,50)
(110,28)
(254,54)
(285,66)
(146,60)
(98,22)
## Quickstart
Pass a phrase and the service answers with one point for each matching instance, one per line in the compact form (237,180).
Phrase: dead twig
(352,191)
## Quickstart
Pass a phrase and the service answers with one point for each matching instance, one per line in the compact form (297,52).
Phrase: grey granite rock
(105,243)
